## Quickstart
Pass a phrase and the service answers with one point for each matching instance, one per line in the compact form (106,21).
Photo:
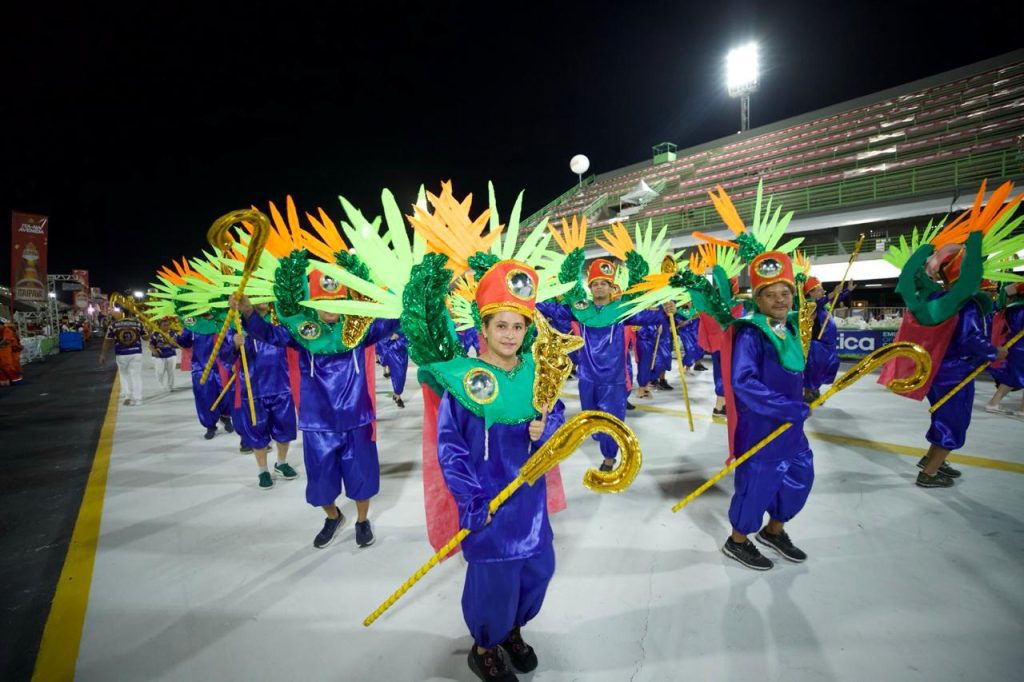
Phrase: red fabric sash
(1000,335)
(186,360)
(725,358)
(934,339)
(294,375)
(371,383)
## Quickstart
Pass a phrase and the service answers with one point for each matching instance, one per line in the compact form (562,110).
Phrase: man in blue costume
(823,357)
(602,360)
(394,356)
(766,386)
(336,414)
(271,394)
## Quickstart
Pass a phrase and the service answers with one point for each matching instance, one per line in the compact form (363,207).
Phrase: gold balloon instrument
(219,236)
(867,364)
(839,289)
(550,352)
(669,266)
(127,303)
(970,377)
(558,447)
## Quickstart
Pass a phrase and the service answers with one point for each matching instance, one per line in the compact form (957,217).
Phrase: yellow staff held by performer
(835,296)
(867,364)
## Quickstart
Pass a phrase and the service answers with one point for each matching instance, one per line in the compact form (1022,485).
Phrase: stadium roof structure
(914,150)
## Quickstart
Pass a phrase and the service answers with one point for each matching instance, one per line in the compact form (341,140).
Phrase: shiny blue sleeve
(228,353)
(556,417)
(267,333)
(557,314)
(748,386)
(184,339)
(457,465)
(647,318)
(975,343)
(380,330)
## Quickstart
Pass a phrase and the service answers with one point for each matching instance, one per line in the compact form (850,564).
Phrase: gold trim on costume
(506,307)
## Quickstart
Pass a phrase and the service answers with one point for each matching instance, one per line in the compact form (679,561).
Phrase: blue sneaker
(330,529)
(284,470)
(228,426)
(364,534)
(266,481)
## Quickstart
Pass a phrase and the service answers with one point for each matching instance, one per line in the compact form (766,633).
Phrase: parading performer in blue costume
(394,355)
(272,397)
(200,334)
(336,414)
(940,280)
(602,368)
(766,383)
(1007,323)
(823,357)
(486,430)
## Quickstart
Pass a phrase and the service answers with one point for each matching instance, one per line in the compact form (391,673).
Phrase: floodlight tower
(742,78)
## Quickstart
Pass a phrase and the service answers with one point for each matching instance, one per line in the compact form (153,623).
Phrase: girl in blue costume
(1008,322)
(766,382)
(486,430)
(336,414)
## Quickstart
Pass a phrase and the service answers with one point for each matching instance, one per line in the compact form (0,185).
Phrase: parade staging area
(200,576)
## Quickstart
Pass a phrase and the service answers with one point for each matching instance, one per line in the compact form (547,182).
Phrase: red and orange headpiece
(771,267)
(509,286)
(324,287)
(601,268)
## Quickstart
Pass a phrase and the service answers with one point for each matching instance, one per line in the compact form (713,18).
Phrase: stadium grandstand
(877,165)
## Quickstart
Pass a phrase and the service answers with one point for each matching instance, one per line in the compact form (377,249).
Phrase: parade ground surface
(181,569)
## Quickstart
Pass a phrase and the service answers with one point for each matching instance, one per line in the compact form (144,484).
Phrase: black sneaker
(783,545)
(747,555)
(330,529)
(936,481)
(490,665)
(718,412)
(605,466)
(210,433)
(700,368)
(399,402)
(244,449)
(228,426)
(630,406)
(522,655)
(364,534)
(945,469)
(664,385)
(387,373)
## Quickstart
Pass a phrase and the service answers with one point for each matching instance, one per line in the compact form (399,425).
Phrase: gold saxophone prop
(550,352)
(126,303)
(558,447)
(669,266)
(970,377)
(922,369)
(219,236)
(839,289)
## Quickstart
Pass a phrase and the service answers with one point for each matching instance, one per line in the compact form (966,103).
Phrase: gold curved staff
(868,363)
(558,447)
(970,377)
(669,266)
(219,236)
(839,289)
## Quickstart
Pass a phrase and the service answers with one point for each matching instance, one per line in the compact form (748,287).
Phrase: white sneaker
(994,409)
(136,402)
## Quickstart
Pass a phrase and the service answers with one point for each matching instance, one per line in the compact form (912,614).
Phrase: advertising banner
(28,256)
(856,343)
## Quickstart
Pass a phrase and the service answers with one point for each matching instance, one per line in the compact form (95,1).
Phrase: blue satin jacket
(268,364)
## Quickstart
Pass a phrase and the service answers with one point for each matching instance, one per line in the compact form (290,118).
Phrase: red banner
(82,296)
(28,256)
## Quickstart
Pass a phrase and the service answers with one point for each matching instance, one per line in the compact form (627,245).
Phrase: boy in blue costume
(200,334)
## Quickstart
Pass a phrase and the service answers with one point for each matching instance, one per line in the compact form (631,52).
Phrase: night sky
(134,126)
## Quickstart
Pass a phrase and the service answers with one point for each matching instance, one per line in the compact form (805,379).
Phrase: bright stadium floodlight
(742,78)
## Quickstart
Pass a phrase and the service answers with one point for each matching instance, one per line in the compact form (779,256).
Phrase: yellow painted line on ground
(58,649)
(894,448)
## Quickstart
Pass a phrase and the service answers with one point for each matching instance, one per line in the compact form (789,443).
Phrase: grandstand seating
(935,138)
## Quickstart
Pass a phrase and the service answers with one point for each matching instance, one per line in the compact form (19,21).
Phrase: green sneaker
(936,481)
(266,480)
(285,470)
